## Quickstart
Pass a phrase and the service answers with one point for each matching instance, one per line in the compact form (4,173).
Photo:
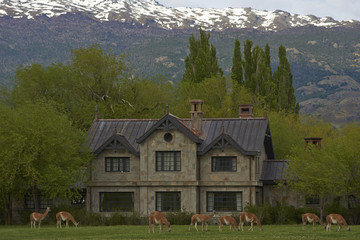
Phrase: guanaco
(228,220)
(65,216)
(336,219)
(249,217)
(200,218)
(158,217)
(38,217)
(311,218)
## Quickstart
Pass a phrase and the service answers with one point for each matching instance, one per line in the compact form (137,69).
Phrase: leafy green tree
(40,151)
(201,62)
(326,172)
(344,149)
(214,91)
(240,95)
(93,79)
(148,97)
(237,64)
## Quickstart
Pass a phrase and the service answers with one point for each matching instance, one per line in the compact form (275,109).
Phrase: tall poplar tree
(286,99)
(248,63)
(201,62)
(237,68)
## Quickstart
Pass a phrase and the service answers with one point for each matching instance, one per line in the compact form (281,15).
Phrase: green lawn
(178,232)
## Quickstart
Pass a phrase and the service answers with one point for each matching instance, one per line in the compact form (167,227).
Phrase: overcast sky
(337,9)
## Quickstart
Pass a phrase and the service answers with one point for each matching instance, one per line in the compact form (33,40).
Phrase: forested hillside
(324,62)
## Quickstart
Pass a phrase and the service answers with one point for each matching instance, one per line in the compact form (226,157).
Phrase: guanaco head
(169,228)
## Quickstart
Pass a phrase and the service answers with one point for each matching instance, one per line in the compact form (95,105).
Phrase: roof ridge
(221,119)
(127,119)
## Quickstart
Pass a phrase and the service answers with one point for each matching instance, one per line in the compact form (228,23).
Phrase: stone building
(167,164)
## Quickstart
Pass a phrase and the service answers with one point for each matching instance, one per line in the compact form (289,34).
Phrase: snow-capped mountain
(151,13)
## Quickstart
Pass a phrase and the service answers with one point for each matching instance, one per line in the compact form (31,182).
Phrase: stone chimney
(245,111)
(313,140)
(196,115)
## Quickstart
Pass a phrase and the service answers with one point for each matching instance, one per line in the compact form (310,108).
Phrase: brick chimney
(313,140)
(245,111)
(196,115)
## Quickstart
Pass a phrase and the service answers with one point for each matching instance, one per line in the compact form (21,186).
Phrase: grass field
(178,232)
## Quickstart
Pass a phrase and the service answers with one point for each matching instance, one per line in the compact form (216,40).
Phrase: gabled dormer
(223,141)
(167,123)
(116,142)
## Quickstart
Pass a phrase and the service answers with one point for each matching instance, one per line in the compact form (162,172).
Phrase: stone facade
(199,183)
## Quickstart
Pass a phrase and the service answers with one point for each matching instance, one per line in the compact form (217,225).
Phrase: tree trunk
(8,209)
(35,198)
(322,205)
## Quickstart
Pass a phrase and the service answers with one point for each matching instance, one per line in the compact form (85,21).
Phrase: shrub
(118,218)
(352,216)
(182,217)
(334,207)
(92,219)
(278,214)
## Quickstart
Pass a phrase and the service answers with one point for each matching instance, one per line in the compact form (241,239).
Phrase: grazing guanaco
(336,219)
(38,217)
(157,217)
(65,216)
(200,218)
(249,217)
(311,218)
(228,220)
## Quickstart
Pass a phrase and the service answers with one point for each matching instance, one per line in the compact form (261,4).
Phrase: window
(353,202)
(223,164)
(80,198)
(168,161)
(42,200)
(257,164)
(224,201)
(29,201)
(258,198)
(312,200)
(117,164)
(168,137)
(116,201)
(168,201)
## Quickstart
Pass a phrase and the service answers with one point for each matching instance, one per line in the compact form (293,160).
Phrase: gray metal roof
(273,170)
(248,135)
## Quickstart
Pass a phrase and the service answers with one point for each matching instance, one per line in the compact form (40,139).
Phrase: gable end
(116,142)
(225,141)
(170,122)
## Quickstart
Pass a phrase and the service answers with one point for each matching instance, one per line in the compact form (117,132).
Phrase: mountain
(324,54)
(151,13)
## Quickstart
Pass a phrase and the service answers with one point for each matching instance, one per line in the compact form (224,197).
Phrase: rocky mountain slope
(324,53)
